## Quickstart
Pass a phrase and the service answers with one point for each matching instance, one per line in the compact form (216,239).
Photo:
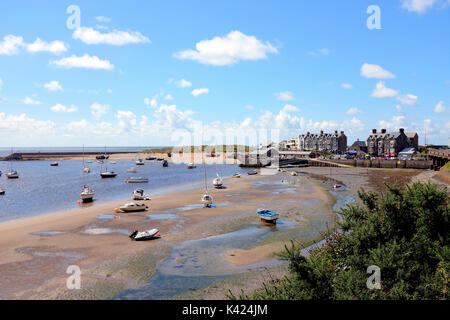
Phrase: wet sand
(35,252)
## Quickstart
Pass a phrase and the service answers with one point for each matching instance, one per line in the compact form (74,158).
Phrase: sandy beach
(36,252)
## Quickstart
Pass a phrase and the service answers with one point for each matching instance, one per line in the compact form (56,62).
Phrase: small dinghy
(2,192)
(165,163)
(138,194)
(268,216)
(87,195)
(108,174)
(54,164)
(137,180)
(250,173)
(132,207)
(140,162)
(207,200)
(86,170)
(336,186)
(144,235)
(293,173)
(236,175)
(218,182)
(12,175)
(191,166)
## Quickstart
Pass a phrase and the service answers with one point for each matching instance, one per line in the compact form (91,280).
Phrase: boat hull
(105,176)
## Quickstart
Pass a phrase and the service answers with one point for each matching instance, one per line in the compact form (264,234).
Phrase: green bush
(404,232)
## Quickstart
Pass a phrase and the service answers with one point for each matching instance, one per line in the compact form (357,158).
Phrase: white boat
(87,195)
(236,175)
(138,194)
(218,182)
(108,174)
(12,174)
(133,207)
(293,173)
(191,166)
(86,170)
(137,180)
(144,235)
(207,200)
(140,162)
(132,169)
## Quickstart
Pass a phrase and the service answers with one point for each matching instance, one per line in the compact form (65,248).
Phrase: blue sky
(288,66)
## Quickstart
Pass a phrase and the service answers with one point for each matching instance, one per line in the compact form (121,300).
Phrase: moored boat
(293,173)
(87,195)
(132,169)
(252,172)
(140,162)
(138,194)
(144,235)
(207,200)
(108,174)
(236,175)
(12,174)
(191,165)
(218,182)
(137,180)
(54,164)
(2,192)
(268,216)
(132,207)
(165,163)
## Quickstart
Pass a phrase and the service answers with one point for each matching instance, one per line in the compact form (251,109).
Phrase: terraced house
(324,142)
(389,144)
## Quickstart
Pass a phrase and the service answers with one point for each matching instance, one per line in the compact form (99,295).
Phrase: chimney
(383,130)
(374,131)
(402,130)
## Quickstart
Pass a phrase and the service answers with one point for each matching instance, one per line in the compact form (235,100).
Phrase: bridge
(439,156)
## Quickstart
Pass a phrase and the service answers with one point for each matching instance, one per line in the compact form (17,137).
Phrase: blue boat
(268,216)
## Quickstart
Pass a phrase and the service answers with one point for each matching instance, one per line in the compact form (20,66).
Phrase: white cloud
(353,111)
(28,100)
(419,6)
(439,108)
(153,102)
(375,71)
(53,86)
(394,124)
(10,45)
(60,108)
(12,124)
(399,108)
(115,37)
(381,91)
(228,50)
(184,83)
(98,110)
(169,97)
(408,99)
(320,52)
(249,107)
(290,108)
(346,85)
(85,61)
(103,19)
(55,47)
(285,96)
(197,92)
(109,91)
(127,120)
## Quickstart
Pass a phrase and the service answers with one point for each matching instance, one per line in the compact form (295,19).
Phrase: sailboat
(218,182)
(87,195)
(106,173)
(207,199)
(85,168)
(12,174)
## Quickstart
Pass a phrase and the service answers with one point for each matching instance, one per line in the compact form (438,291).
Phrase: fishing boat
(54,164)
(144,235)
(268,216)
(191,165)
(132,169)
(236,175)
(87,195)
(218,182)
(165,163)
(137,180)
(250,173)
(138,194)
(132,207)
(140,162)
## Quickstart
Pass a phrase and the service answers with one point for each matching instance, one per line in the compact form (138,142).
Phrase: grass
(446,167)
